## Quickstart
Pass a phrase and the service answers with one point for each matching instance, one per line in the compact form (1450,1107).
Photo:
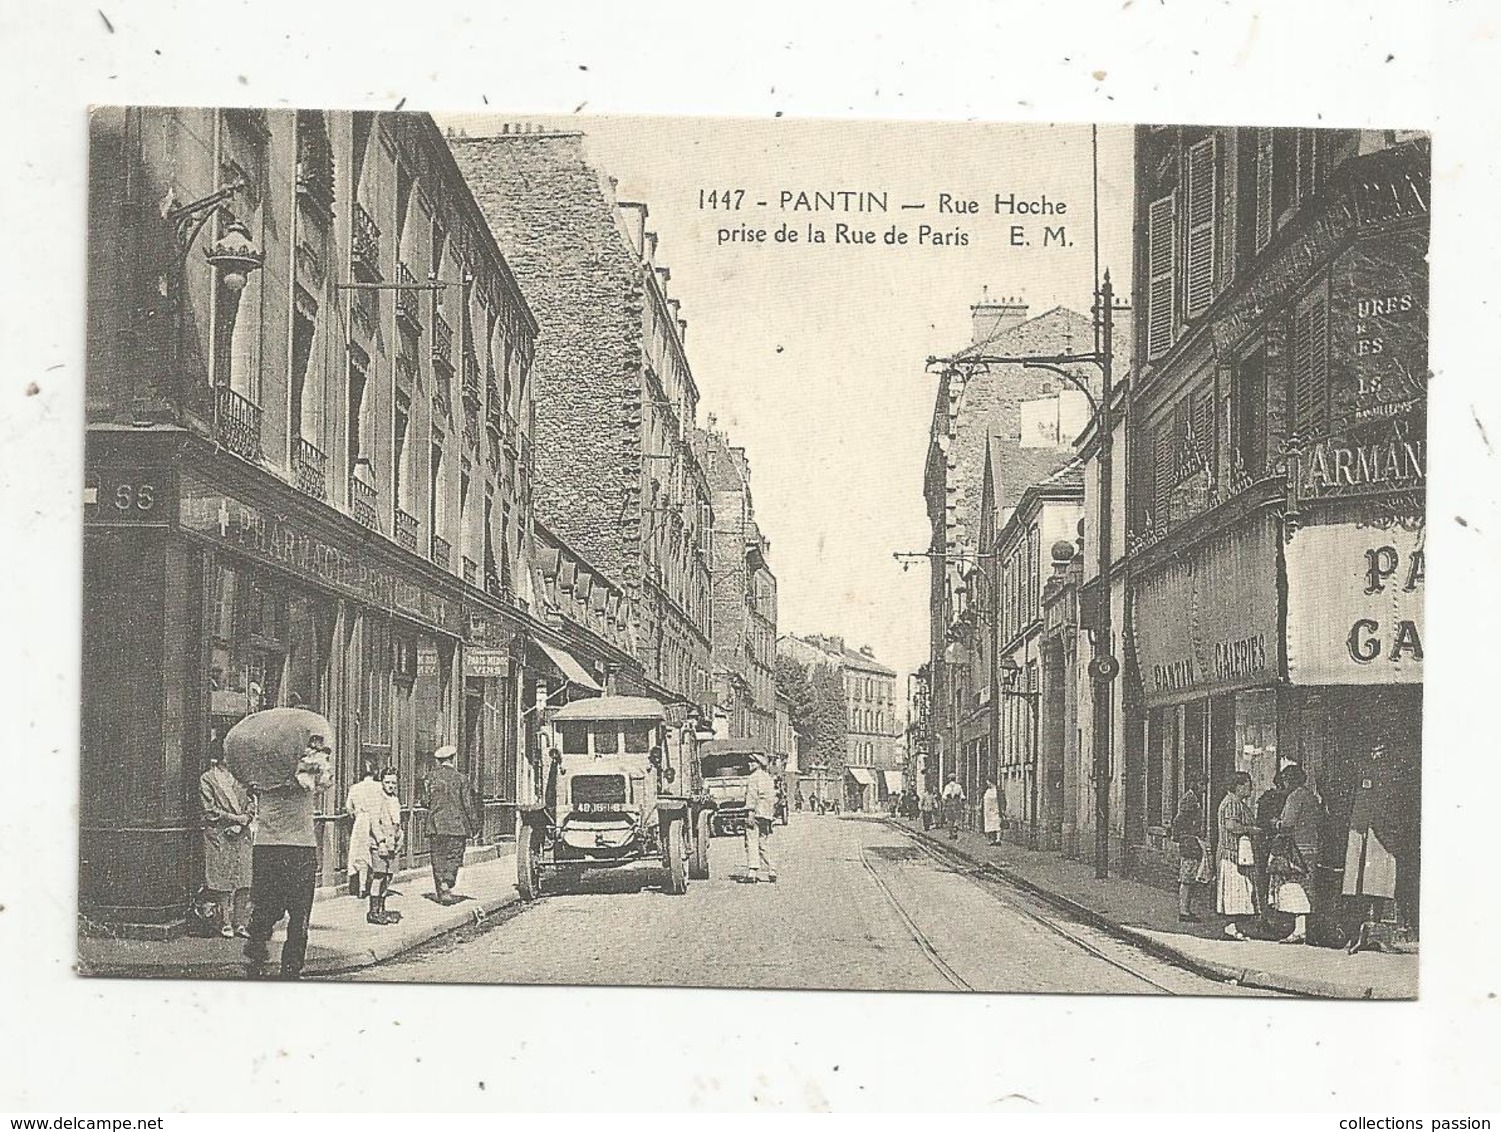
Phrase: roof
(612,707)
(988,416)
(853,658)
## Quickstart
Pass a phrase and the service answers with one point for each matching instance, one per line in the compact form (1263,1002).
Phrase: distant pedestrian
(928,808)
(953,806)
(992,812)
(384,842)
(760,804)
(1290,871)
(1193,854)
(1234,895)
(364,796)
(453,817)
(797,800)
(227,842)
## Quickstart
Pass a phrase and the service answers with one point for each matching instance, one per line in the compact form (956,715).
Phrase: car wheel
(698,865)
(676,852)
(528,862)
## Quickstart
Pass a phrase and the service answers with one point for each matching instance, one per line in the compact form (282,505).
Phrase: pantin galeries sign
(1208,621)
(1355,604)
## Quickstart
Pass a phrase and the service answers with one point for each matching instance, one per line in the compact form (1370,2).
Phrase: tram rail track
(997,887)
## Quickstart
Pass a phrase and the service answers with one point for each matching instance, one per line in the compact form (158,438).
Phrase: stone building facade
(1277,482)
(308,460)
(745,595)
(616,401)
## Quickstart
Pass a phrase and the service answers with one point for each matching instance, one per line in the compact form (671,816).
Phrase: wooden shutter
(1263,188)
(1202,177)
(1161,220)
(1311,366)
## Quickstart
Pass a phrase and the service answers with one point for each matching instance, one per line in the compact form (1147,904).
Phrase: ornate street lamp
(235,255)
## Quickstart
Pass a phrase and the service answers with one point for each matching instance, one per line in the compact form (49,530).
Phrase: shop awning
(893,779)
(571,669)
(861,775)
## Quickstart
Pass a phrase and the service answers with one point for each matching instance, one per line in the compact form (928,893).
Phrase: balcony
(406,530)
(442,406)
(440,552)
(362,504)
(512,432)
(365,245)
(495,413)
(408,303)
(471,571)
(239,424)
(470,384)
(442,344)
(310,469)
(493,586)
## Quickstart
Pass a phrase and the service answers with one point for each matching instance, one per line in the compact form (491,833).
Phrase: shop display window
(247,645)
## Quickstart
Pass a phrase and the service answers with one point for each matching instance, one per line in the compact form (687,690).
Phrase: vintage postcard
(784,554)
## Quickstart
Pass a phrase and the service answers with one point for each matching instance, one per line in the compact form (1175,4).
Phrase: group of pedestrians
(260,845)
(1265,853)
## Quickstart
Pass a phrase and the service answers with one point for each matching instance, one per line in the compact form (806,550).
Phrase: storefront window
(247,645)
(1256,736)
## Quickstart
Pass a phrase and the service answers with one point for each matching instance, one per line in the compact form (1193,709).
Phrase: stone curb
(394,940)
(1225,972)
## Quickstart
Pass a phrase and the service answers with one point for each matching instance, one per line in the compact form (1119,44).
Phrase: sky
(811,356)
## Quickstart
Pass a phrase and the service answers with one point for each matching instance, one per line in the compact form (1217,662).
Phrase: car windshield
(574,738)
(606,738)
(638,737)
(726,766)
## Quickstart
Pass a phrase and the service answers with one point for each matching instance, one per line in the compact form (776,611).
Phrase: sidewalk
(339,939)
(1147,916)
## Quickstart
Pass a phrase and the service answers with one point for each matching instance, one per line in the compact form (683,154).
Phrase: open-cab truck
(621,788)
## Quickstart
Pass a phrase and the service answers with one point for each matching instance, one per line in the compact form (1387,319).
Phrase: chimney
(990,317)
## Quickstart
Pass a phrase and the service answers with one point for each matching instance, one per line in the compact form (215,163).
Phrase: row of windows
(871,688)
(1251,180)
(869,721)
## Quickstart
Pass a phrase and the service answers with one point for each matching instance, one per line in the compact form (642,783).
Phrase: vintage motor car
(726,765)
(622,788)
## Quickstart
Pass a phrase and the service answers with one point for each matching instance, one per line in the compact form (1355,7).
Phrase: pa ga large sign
(1355,605)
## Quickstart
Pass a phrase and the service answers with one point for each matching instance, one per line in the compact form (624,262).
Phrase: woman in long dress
(1234,895)
(227,843)
(364,799)
(990,813)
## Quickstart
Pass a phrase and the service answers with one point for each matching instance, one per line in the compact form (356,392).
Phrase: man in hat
(453,817)
(761,802)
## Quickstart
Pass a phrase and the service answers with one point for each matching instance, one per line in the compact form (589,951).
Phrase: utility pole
(1104,666)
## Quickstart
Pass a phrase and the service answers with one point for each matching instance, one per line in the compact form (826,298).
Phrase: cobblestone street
(859,905)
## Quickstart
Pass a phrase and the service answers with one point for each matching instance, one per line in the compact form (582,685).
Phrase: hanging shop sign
(1355,604)
(1209,621)
(480,661)
(260,533)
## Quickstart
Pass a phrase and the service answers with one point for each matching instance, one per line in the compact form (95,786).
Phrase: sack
(203,918)
(1245,853)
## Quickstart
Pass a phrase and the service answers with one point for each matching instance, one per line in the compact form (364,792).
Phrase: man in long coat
(227,842)
(453,817)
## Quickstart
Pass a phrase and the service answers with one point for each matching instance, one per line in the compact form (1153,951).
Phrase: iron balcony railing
(406,530)
(408,303)
(363,503)
(443,343)
(442,406)
(440,551)
(365,243)
(471,381)
(512,432)
(471,571)
(495,413)
(310,469)
(239,426)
